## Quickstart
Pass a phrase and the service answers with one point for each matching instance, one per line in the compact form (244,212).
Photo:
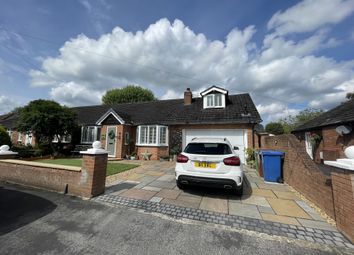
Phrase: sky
(289,55)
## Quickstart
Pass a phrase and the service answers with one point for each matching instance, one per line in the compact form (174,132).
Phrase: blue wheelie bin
(272,168)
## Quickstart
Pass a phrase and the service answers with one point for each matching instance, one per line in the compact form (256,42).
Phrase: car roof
(209,140)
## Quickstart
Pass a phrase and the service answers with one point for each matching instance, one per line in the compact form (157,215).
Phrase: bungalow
(161,126)
(327,136)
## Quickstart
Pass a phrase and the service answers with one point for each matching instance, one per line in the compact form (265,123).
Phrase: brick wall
(300,172)
(333,193)
(343,194)
(332,144)
(87,181)
(156,152)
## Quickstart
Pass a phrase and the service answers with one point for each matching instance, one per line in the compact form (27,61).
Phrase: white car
(210,162)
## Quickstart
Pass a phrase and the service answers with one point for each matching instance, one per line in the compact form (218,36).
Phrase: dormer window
(214,97)
(214,100)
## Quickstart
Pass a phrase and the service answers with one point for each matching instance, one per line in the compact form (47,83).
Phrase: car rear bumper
(208,182)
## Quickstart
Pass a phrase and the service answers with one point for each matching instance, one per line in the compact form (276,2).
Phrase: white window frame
(308,144)
(10,132)
(206,100)
(157,135)
(96,130)
(28,138)
(19,137)
(64,139)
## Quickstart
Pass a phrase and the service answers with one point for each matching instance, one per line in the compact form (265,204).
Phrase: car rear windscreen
(208,148)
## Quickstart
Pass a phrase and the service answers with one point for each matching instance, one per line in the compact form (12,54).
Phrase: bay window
(152,135)
(89,134)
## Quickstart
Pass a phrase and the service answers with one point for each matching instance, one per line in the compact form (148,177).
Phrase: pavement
(155,181)
(40,222)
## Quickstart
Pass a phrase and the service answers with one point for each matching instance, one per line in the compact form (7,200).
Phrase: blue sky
(288,54)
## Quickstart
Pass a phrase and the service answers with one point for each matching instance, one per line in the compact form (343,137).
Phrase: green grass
(112,168)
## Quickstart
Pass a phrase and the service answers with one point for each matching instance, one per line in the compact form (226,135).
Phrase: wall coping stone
(38,164)
(96,149)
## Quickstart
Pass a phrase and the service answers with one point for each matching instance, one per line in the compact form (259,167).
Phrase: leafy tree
(128,94)
(46,120)
(350,96)
(291,122)
(275,128)
(4,137)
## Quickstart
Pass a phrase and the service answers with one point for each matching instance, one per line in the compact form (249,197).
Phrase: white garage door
(237,137)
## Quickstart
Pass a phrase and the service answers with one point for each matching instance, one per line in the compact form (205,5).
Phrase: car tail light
(182,159)
(232,161)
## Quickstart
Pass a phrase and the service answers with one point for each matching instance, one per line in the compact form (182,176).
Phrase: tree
(275,128)
(291,122)
(350,96)
(4,137)
(46,120)
(128,94)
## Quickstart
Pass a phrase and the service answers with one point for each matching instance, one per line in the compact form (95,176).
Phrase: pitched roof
(341,114)
(239,109)
(8,120)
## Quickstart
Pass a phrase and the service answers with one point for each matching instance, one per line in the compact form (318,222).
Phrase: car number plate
(205,164)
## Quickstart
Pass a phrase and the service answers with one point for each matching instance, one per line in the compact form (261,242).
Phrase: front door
(111,141)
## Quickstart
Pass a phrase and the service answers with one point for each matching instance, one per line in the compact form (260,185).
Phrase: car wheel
(239,190)
(180,185)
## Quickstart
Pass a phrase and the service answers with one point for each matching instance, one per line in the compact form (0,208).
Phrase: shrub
(275,128)
(4,137)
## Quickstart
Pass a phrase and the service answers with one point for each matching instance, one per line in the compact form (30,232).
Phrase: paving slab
(134,177)
(305,206)
(163,184)
(139,194)
(255,200)
(280,219)
(244,210)
(265,209)
(286,207)
(156,199)
(285,195)
(316,216)
(214,204)
(279,187)
(263,193)
(316,224)
(168,193)
(185,203)
(167,178)
(154,173)
(152,188)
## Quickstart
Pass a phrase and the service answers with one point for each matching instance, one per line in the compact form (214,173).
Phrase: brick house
(334,130)
(161,126)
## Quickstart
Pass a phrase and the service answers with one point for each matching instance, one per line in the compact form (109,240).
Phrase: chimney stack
(188,97)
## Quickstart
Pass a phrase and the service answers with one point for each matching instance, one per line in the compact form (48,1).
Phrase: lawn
(112,168)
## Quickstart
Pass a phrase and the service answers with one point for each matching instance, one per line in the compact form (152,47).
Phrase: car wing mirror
(236,148)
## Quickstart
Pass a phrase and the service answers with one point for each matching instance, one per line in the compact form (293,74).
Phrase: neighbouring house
(327,136)
(164,126)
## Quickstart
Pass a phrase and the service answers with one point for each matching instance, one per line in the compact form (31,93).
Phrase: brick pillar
(343,194)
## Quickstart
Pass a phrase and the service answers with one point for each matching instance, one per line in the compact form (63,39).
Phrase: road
(40,222)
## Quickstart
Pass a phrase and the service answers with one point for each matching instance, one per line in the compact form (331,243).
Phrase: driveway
(68,225)
(261,203)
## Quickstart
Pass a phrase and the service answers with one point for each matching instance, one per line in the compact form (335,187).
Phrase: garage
(237,137)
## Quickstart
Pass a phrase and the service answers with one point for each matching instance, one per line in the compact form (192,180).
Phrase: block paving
(265,207)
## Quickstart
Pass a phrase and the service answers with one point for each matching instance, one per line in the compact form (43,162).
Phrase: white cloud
(310,15)
(275,111)
(171,57)
(7,104)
